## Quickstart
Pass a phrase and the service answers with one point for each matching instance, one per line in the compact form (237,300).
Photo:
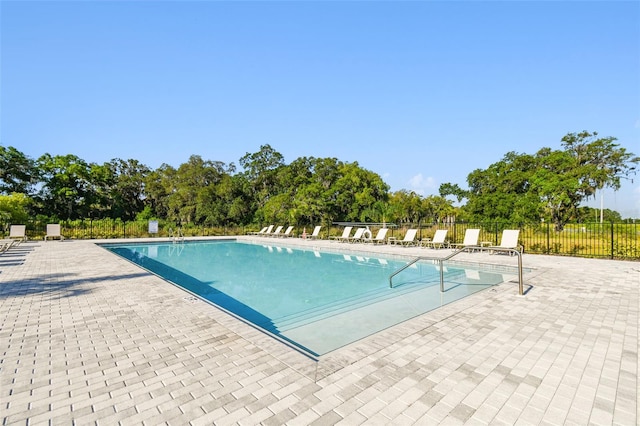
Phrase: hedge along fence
(606,240)
(115,228)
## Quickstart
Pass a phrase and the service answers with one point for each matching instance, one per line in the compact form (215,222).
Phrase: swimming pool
(316,301)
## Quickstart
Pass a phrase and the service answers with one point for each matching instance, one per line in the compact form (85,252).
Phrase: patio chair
(276,233)
(53,231)
(260,232)
(316,233)
(18,232)
(508,241)
(6,244)
(381,236)
(471,237)
(408,240)
(357,236)
(439,240)
(287,233)
(345,234)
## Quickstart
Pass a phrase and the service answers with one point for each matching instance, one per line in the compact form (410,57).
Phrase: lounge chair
(439,240)
(276,233)
(316,233)
(508,241)
(471,237)
(287,233)
(18,232)
(260,232)
(53,231)
(357,236)
(408,240)
(381,236)
(6,244)
(345,234)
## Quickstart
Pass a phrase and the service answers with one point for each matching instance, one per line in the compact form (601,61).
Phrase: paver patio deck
(89,338)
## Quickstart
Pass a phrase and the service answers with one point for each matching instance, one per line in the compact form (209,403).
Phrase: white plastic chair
(345,234)
(471,237)
(53,231)
(508,241)
(439,239)
(408,240)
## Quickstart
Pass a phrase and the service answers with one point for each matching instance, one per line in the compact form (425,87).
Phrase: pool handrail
(441,261)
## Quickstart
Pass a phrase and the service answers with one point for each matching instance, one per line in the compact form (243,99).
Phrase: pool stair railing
(441,260)
(176,236)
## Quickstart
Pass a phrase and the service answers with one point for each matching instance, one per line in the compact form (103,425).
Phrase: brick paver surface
(88,338)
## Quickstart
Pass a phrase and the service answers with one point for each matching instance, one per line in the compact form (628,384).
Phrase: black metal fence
(108,229)
(598,240)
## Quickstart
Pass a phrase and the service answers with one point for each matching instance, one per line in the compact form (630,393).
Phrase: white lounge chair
(439,240)
(287,233)
(357,236)
(381,236)
(316,233)
(18,232)
(6,244)
(408,240)
(53,231)
(260,232)
(276,233)
(268,231)
(509,241)
(345,234)
(471,237)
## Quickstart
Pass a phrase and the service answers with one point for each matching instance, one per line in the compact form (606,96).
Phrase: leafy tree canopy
(548,185)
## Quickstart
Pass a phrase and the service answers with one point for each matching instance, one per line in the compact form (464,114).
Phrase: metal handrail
(441,261)
(177,235)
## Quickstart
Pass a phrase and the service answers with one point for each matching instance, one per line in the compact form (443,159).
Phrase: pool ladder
(176,236)
(441,261)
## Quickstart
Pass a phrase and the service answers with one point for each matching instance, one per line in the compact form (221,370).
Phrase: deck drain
(190,299)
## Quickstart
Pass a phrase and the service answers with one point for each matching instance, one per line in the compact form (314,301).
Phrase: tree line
(549,184)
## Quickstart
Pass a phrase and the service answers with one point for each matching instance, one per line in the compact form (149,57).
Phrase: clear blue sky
(419,92)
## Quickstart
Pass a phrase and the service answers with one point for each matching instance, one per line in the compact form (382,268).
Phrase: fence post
(612,248)
(548,239)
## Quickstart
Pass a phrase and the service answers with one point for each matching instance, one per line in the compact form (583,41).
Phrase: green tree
(260,170)
(453,189)
(17,171)
(602,162)
(13,209)
(437,208)
(556,183)
(158,186)
(406,206)
(501,192)
(66,190)
(315,201)
(127,191)
(191,191)
(355,191)
(550,184)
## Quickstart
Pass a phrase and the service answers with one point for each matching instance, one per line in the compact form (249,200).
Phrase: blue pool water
(315,301)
